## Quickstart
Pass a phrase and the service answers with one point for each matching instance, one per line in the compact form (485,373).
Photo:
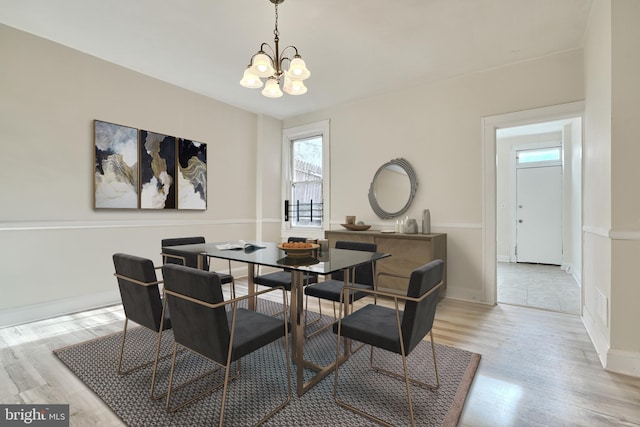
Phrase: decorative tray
(355,227)
(299,252)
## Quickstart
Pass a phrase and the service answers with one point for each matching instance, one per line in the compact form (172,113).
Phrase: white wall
(56,249)
(269,177)
(625,174)
(437,128)
(611,216)
(596,279)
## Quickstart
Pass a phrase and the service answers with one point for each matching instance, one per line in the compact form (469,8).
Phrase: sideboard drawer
(408,252)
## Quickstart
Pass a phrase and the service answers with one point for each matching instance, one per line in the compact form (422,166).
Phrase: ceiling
(354,48)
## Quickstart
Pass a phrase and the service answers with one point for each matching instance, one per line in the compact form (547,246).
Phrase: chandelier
(271,66)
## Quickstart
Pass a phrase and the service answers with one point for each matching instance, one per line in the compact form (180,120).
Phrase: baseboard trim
(465,295)
(598,340)
(47,310)
(624,362)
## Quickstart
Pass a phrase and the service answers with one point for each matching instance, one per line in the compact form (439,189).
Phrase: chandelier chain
(275,30)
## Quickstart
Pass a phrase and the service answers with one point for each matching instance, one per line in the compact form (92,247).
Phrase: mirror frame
(413,182)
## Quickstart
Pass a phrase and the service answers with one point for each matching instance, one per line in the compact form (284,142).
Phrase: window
(538,155)
(305,190)
(305,205)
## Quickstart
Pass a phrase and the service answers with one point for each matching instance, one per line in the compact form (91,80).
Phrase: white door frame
(489,126)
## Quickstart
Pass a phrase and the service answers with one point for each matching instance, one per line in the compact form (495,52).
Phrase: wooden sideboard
(408,252)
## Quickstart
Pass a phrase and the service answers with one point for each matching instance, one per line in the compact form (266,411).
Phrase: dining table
(270,254)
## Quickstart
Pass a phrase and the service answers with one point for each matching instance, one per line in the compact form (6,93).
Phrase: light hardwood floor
(538,368)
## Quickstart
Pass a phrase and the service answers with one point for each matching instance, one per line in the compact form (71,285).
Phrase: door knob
(520,221)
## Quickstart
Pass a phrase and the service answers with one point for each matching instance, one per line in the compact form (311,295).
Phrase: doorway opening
(490,126)
(538,214)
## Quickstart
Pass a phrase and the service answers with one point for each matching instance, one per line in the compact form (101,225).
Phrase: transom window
(538,155)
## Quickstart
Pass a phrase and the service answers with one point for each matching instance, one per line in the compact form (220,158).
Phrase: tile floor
(540,286)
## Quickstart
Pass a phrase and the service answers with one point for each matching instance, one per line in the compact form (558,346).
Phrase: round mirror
(392,189)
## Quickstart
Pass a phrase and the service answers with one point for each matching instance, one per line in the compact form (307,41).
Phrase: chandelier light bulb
(250,80)
(293,86)
(261,65)
(299,69)
(272,88)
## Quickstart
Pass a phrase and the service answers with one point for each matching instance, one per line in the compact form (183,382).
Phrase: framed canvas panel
(116,166)
(192,175)
(157,171)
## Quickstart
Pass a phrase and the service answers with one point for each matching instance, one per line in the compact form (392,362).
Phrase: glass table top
(324,262)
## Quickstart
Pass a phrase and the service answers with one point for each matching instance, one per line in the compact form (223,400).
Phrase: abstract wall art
(192,175)
(157,171)
(140,169)
(116,166)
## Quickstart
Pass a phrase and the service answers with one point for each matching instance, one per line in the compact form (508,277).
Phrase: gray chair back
(200,328)
(142,304)
(418,317)
(191,260)
(363,273)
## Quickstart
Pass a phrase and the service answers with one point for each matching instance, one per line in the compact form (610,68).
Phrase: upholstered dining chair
(395,330)
(191,260)
(283,278)
(141,301)
(201,323)
(362,277)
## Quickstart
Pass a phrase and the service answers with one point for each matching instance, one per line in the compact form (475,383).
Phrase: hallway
(538,286)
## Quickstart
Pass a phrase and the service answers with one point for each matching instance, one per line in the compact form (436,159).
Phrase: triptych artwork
(140,169)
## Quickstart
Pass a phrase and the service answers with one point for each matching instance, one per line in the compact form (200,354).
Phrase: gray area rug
(262,384)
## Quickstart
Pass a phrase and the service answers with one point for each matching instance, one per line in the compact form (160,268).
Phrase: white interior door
(539,215)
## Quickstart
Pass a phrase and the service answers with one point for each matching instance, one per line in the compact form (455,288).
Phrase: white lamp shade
(293,86)
(261,65)
(298,69)
(250,80)
(272,89)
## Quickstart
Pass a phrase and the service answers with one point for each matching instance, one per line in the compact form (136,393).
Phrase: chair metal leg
(325,327)
(155,369)
(227,379)
(412,380)
(233,288)
(306,311)
(335,388)
(408,387)
(171,389)
(233,283)
(155,364)
(124,336)
(287,362)
(407,380)
(121,354)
